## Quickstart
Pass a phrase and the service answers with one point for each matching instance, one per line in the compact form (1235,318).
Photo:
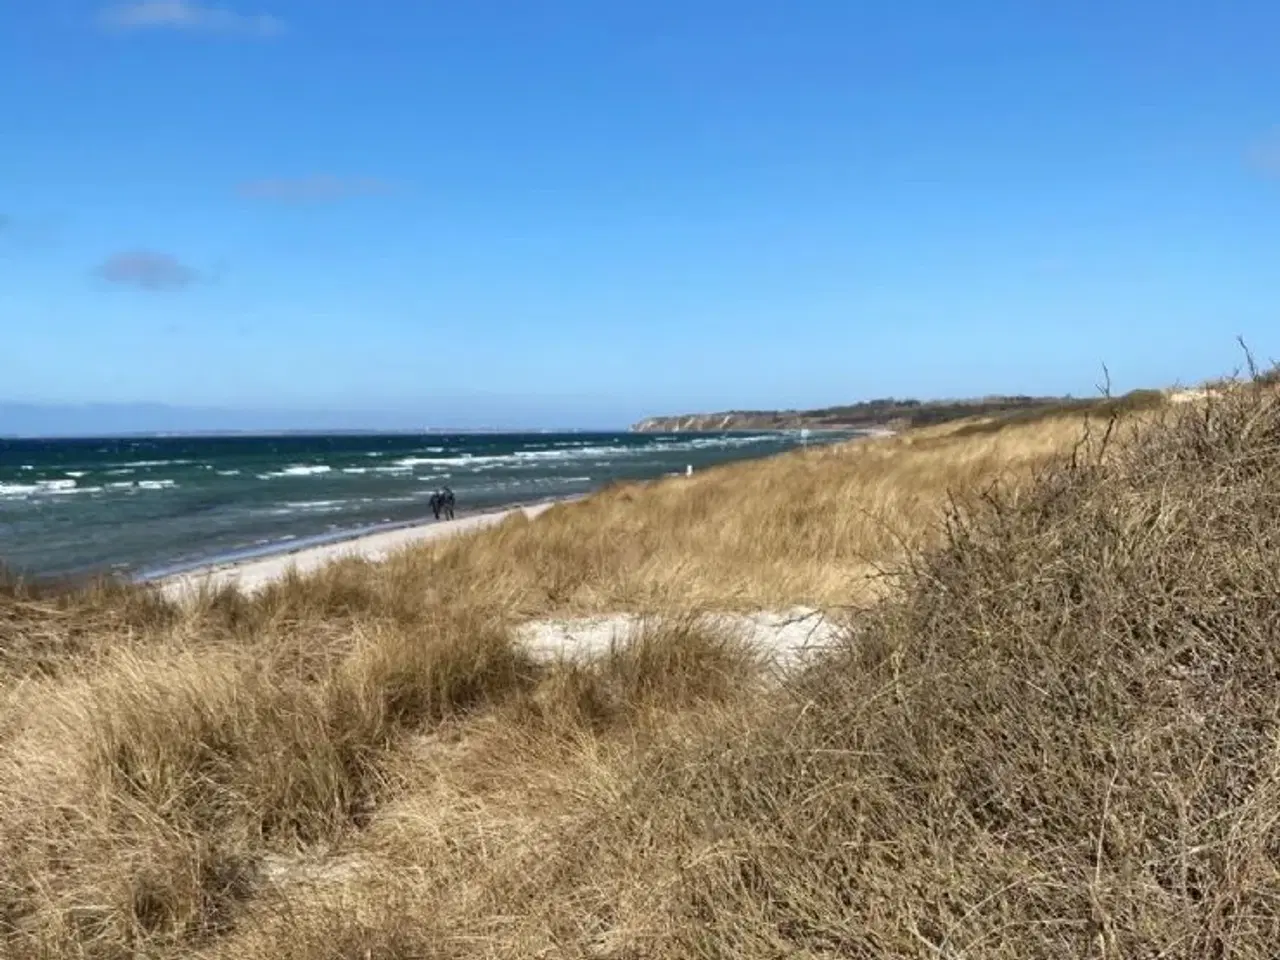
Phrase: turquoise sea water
(142,507)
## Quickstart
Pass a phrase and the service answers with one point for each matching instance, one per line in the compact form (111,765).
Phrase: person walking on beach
(446,498)
(435,505)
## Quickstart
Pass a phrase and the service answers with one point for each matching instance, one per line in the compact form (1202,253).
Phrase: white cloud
(189,16)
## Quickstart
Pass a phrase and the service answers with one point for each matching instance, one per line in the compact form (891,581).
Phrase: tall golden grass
(818,526)
(1050,729)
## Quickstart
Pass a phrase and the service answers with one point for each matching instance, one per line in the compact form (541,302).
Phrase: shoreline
(185,522)
(253,573)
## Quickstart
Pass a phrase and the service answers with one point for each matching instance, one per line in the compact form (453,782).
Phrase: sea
(148,507)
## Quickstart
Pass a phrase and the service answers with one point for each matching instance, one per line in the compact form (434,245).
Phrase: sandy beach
(251,575)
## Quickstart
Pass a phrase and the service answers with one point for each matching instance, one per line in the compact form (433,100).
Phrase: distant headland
(887,413)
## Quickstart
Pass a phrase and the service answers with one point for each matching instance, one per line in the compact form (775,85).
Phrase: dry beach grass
(1050,729)
(817,527)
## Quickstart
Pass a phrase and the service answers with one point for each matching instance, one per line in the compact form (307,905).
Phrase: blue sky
(573,211)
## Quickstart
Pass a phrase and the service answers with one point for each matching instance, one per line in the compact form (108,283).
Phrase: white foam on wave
(584,450)
(8,490)
(305,470)
(390,469)
(43,488)
(76,473)
(314,504)
(473,460)
(56,486)
(705,443)
(411,462)
(522,459)
(393,469)
(151,463)
(228,473)
(570,453)
(297,470)
(143,485)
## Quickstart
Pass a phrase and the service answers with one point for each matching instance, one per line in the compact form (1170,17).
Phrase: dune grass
(812,527)
(1051,728)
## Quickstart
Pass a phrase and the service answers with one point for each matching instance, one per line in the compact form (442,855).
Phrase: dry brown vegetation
(1055,731)
(818,527)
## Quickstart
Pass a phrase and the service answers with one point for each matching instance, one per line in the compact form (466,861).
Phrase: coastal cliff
(886,413)
(713,422)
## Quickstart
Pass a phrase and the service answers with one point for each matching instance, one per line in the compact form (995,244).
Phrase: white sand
(782,637)
(251,575)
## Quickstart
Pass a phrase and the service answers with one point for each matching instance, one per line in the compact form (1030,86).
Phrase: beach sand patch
(781,637)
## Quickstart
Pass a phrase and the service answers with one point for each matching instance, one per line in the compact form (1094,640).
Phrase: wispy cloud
(147,271)
(189,16)
(317,189)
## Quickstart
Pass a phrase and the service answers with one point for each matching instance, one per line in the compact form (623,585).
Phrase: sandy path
(251,575)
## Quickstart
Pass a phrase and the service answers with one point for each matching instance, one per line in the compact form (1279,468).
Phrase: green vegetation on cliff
(896,414)
(884,412)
